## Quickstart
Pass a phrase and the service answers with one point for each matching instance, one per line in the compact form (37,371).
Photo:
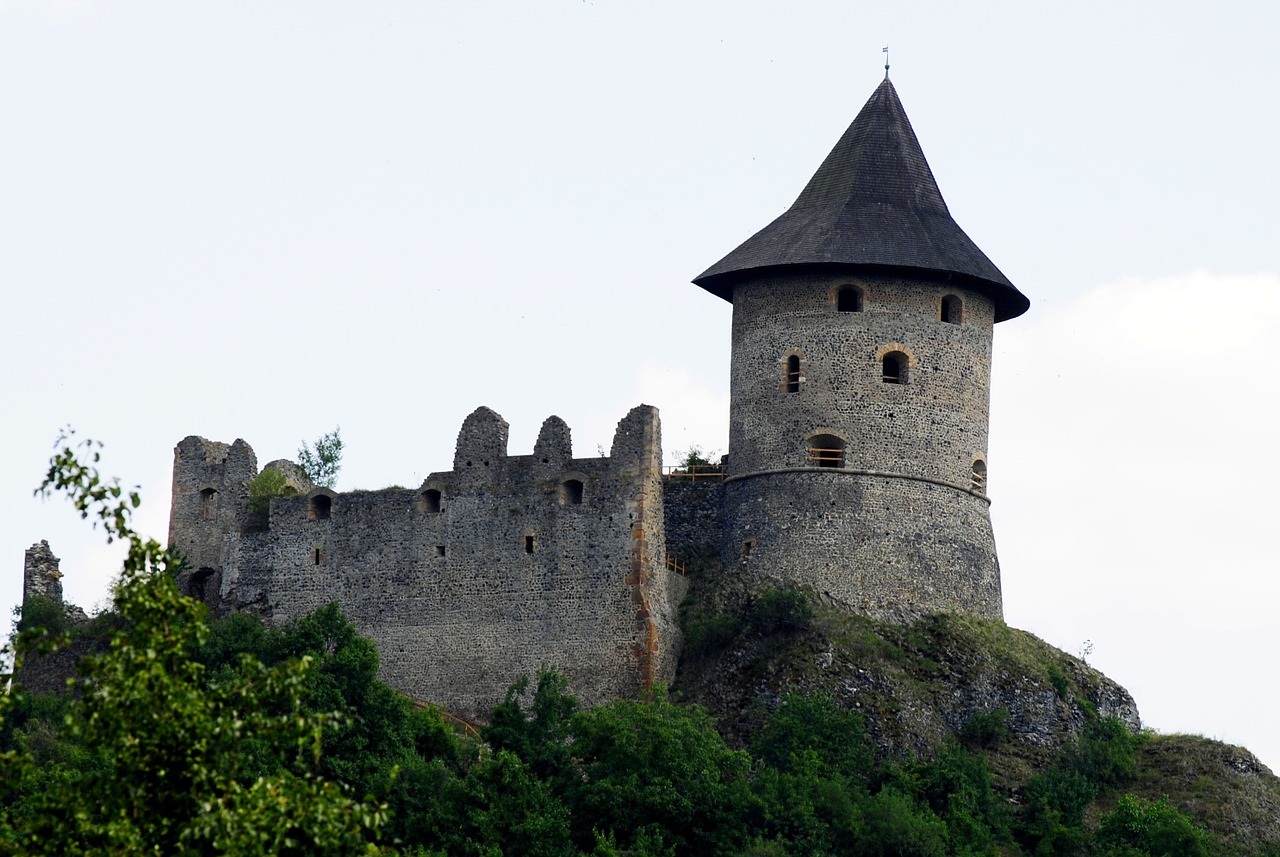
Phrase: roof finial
(885,50)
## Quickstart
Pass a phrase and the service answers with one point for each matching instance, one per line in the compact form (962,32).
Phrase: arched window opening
(952,310)
(979,475)
(894,368)
(849,299)
(792,378)
(204,585)
(320,507)
(429,501)
(826,450)
(571,492)
(529,543)
(208,499)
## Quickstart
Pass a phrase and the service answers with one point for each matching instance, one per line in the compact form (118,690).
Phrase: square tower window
(849,299)
(429,501)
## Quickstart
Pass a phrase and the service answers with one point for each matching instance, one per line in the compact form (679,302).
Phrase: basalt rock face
(916,684)
(948,677)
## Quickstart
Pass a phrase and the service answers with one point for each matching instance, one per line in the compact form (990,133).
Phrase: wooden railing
(466,727)
(694,471)
(827,457)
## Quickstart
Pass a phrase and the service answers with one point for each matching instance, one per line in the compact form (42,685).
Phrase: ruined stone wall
(897,526)
(485,571)
(210,488)
(41,577)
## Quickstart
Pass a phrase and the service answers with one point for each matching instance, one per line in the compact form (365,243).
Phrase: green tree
(815,725)
(893,825)
(660,773)
(168,772)
(956,785)
(540,736)
(1138,828)
(323,461)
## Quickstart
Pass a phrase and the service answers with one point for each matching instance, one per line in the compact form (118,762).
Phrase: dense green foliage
(154,755)
(188,736)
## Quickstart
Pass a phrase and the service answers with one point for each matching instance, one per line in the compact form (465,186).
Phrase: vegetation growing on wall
(323,461)
(262,488)
(195,737)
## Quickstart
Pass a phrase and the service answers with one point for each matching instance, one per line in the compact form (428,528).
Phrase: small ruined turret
(42,578)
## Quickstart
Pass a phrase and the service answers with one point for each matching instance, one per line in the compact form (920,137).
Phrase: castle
(857,467)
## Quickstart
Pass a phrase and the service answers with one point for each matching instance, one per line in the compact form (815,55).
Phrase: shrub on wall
(267,484)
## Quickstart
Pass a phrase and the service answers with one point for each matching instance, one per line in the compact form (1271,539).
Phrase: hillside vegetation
(1000,692)
(795,728)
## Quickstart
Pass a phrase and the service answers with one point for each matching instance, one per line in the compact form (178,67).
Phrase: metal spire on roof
(885,49)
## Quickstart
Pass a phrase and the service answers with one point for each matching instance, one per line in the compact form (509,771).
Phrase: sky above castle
(264,220)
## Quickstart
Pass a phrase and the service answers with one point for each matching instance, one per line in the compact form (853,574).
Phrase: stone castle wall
(895,549)
(934,425)
(896,527)
(477,577)
(694,520)
(210,487)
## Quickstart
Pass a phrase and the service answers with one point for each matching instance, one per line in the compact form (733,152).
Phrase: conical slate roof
(872,204)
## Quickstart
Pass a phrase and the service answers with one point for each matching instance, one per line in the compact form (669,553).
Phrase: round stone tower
(862,323)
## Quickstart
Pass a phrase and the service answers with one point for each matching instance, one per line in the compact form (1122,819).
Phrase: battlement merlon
(637,442)
(211,479)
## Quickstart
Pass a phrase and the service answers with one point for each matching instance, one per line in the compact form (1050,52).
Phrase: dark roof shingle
(873,204)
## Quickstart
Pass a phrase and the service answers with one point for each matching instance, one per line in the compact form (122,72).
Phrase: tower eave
(873,202)
(1009,302)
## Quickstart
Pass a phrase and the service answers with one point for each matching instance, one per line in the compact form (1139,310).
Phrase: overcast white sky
(260,220)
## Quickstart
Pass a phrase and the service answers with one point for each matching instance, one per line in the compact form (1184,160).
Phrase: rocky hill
(992,687)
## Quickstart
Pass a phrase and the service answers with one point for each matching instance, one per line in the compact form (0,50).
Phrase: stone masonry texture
(897,526)
(479,576)
(41,577)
